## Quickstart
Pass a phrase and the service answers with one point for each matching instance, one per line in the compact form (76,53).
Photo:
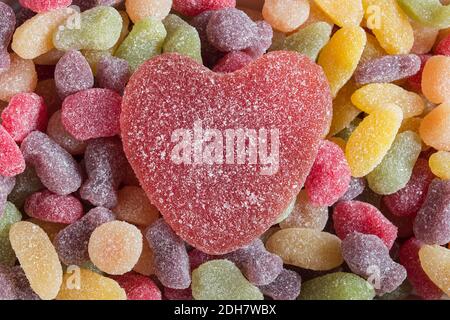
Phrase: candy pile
(125,170)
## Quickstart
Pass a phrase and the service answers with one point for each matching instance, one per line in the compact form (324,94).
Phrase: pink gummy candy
(47,206)
(283,97)
(195,7)
(138,287)
(92,113)
(329,177)
(7,25)
(11,159)
(44,5)
(233,61)
(26,112)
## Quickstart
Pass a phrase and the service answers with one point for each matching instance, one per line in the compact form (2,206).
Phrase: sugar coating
(195,7)
(233,61)
(210,218)
(113,73)
(395,34)
(285,287)
(38,258)
(144,41)
(59,134)
(44,5)
(100,29)
(265,35)
(340,56)
(6,186)
(93,286)
(428,12)
(435,261)
(329,177)
(409,258)
(355,188)
(375,95)
(71,243)
(25,113)
(7,25)
(138,287)
(72,74)
(432,223)
(197,258)
(222,280)
(306,215)
(395,170)
(337,286)
(51,207)
(92,113)
(309,40)
(306,248)
(435,80)
(415,82)
(55,167)
(372,139)
(170,258)
(14,284)
(210,54)
(443,47)
(141,9)
(11,159)
(439,163)
(259,266)
(20,77)
(286,15)
(115,247)
(50,228)
(343,13)
(357,216)
(435,128)
(27,183)
(145,263)
(104,162)
(344,111)
(387,69)
(9,216)
(424,38)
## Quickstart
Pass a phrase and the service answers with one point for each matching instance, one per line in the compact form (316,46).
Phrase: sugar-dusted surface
(9,216)
(138,287)
(355,188)
(7,25)
(27,183)
(59,134)
(285,287)
(286,15)
(195,7)
(141,9)
(343,12)
(11,159)
(113,73)
(6,186)
(14,285)
(233,61)
(435,128)
(44,5)
(20,77)
(435,261)
(440,164)
(428,12)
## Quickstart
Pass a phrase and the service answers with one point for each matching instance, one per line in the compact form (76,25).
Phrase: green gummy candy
(428,12)
(10,216)
(337,286)
(309,40)
(27,183)
(144,41)
(222,280)
(99,29)
(182,38)
(394,172)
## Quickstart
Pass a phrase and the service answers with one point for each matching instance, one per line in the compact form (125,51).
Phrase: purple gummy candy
(178,294)
(55,167)
(432,223)
(355,188)
(7,25)
(71,243)
(14,284)
(170,257)
(388,69)
(231,30)
(6,186)
(265,35)
(285,287)
(89,4)
(113,73)
(367,256)
(258,265)
(72,74)
(104,161)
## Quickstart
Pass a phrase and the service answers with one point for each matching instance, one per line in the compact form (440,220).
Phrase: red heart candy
(220,207)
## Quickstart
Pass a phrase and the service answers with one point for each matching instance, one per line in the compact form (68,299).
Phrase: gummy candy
(144,265)
(138,287)
(428,12)
(141,9)
(435,128)
(285,287)
(213,224)
(343,13)
(367,256)
(113,73)
(14,284)
(435,261)
(233,61)
(195,7)
(7,25)
(71,243)
(59,134)
(286,15)
(443,47)
(435,80)
(178,294)
(11,160)
(424,38)
(265,35)
(6,186)
(56,168)
(9,216)
(222,280)
(38,258)
(440,164)
(27,183)
(44,5)
(20,77)
(415,82)
(355,188)
(50,228)
(344,112)
(306,248)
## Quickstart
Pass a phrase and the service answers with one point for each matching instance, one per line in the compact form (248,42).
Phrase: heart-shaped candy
(222,155)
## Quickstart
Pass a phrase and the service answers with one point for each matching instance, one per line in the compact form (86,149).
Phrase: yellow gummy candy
(372,139)
(343,12)
(440,164)
(390,25)
(38,258)
(435,261)
(340,57)
(83,284)
(373,96)
(344,112)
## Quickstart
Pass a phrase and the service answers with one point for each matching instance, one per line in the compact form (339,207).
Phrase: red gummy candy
(138,287)
(443,48)
(415,81)
(195,7)
(232,62)
(44,5)
(11,159)
(409,258)
(178,294)
(26,112)
(48,206)
(329,177)
(407,201)
(92,113)
(221,202)
(357,216)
